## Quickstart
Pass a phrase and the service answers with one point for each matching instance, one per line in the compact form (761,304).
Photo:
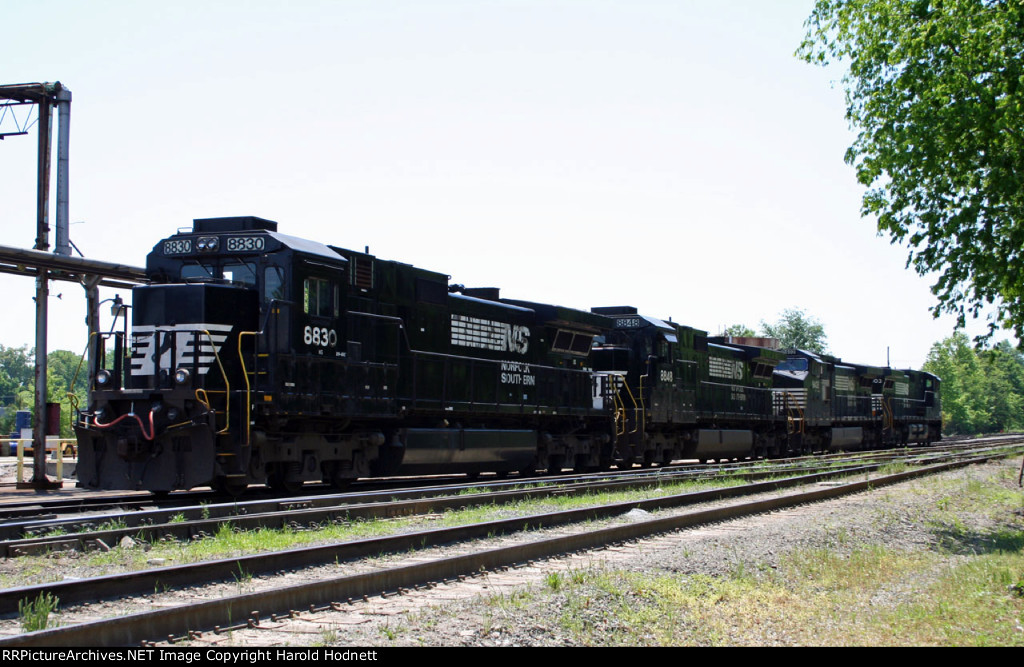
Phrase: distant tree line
(982,389)
(17,384)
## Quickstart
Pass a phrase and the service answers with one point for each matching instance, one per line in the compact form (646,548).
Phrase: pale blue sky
(672,155)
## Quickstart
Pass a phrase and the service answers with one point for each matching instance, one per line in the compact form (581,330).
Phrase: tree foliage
(17,373)
(17,383)
(935,90)
(740,330)
(982,390)
(795,329)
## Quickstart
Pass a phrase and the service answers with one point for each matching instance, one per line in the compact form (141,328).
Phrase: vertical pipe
(39,427)
(43,178)
(39,479)
(63,245)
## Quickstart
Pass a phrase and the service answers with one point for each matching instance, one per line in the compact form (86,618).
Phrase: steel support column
(39,478)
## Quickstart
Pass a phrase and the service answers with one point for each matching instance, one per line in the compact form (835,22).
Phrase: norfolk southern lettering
(489,335)
(514,372)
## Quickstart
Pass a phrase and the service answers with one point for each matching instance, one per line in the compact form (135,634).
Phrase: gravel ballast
(534,606)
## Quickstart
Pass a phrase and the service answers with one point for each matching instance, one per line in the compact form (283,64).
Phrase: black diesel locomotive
(255,357)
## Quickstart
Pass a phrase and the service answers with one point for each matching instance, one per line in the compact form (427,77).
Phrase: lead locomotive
(255,357)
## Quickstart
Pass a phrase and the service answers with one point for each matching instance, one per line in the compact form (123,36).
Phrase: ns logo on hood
(489,334)
(177,346)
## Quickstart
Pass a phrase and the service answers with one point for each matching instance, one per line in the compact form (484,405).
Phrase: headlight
(207,243)
(181,376)
(102,378)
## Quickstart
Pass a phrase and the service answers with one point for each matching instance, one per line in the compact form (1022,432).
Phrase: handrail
(799,419)
(623,408)
(248,385)
(227,388)
(642,421)
(620,406)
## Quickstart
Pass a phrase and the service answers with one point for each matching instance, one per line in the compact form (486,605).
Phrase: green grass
(35,614)
(112,524)
(391,632)
(871,597)
(554,580)
(893,468)
(966,590)
(229,541)
(516,600)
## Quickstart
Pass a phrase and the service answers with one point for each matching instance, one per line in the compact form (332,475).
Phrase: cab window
(320,297)
(273,283)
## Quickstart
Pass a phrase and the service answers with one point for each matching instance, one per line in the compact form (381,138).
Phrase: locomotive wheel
(555,464)
(284,486)
(230,487)
(277,480)
(341,483)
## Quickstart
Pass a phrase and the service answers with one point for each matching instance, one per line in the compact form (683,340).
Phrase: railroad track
(34,508)
(21,509)
(185,522)
(331,589)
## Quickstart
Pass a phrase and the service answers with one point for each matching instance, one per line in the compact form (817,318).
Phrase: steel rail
(178,621)
(81,533)
(12,508)
(144,581)
(30,537)
(32,533)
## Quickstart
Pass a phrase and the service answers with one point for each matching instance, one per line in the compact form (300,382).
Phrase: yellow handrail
(789,414)
(227,387)
(621,406)
(248,386)
(887,415)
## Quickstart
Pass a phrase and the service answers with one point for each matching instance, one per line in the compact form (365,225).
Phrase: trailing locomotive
(256,357)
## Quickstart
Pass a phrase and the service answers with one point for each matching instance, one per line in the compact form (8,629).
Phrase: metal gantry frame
(59,265)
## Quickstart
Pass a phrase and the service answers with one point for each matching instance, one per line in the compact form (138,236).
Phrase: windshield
(233,272)
(792,365)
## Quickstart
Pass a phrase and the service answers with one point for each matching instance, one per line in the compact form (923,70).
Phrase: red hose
(142,426)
